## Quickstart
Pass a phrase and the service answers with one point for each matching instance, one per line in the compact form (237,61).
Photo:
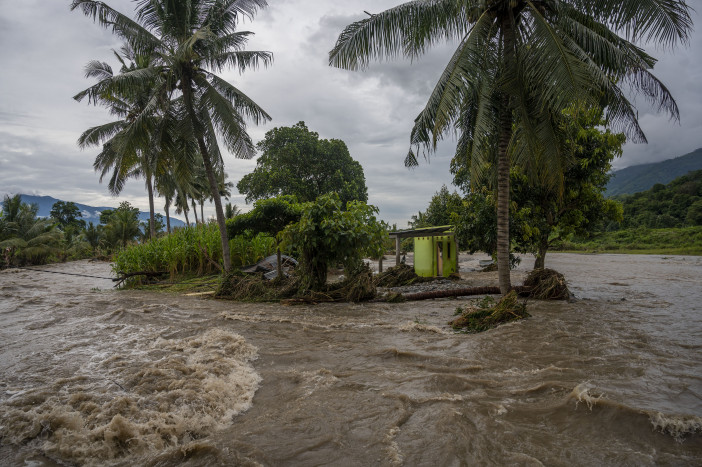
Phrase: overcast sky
(44,47)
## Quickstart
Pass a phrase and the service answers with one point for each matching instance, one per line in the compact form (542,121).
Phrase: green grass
(674,241)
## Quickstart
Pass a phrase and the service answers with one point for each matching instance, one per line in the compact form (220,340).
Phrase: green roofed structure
(435,250)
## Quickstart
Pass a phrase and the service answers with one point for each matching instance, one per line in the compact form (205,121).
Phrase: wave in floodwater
(93,376)
(125,402)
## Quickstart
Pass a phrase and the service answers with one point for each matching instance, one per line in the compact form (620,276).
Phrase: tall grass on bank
(674,241)
(191,250)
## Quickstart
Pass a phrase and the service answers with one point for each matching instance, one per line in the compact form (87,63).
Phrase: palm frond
(240,101)
(406,29)
(97,134)
(122,26)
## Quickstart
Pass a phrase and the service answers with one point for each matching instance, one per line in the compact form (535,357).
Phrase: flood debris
(399,275)
(254,287)
(269,266)
(546,284)
(487,314)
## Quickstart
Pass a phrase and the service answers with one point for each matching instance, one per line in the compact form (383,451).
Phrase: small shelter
(435,250)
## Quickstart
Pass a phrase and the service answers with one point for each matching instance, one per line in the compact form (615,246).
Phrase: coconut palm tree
(131,148)
(193,40)
(519,62)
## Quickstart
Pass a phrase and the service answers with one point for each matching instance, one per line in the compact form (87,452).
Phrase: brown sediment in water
(600,381)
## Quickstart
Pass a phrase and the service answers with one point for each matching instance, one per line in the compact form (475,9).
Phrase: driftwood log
(126,275)
(460,292)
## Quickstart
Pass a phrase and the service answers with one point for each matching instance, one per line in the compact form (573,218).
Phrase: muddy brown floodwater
(94,376)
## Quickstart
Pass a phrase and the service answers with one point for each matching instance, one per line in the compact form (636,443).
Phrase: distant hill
(642,177)
(90,213)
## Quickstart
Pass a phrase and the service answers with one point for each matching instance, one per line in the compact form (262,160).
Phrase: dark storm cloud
(45,46)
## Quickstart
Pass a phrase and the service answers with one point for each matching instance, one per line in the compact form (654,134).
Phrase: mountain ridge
(89,213)
(642,177)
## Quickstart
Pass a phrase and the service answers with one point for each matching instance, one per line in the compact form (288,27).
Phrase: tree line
(519,69)
(26,238)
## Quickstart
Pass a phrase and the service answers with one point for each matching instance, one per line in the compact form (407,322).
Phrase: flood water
(95,376)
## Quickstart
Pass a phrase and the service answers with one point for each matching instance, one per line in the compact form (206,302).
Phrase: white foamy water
(92,376)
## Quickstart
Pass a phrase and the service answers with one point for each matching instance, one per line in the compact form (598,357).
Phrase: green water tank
(435,256)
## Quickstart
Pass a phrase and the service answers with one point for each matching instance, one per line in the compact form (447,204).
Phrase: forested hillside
(678,204)
(642,177)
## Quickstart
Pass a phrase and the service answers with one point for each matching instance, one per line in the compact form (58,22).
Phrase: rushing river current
(95,376)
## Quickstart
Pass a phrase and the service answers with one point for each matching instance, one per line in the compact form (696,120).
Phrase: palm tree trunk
(152,220)
(214,187)
(202,212)
(195,211)
(503,165)
(185,213)
(166,208)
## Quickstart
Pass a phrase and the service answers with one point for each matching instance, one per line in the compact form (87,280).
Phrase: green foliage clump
(442,210)
(486,314)
(326,235)
(268,216)
(296,162)
(24,238)
(191,250)
(121,225)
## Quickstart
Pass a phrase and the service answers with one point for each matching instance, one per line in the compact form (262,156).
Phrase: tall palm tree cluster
(23,236)
(518,65)
(171,106)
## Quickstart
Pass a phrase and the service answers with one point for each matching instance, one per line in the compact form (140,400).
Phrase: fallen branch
(459,292)
(126,275)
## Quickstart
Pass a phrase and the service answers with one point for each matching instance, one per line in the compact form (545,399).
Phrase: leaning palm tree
(193,40)
(518,63)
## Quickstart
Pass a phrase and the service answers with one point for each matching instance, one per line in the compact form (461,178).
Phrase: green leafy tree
(518,63)
(192,41)
(442,210)
(327,234)
(549,216)
(66,214)
(269,216)
(93,236)
(475,224)
(694,213)
(294,161)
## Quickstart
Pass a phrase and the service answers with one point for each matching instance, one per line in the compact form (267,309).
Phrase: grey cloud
(372,111)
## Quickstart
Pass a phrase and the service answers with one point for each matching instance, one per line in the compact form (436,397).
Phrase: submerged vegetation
(486,314)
